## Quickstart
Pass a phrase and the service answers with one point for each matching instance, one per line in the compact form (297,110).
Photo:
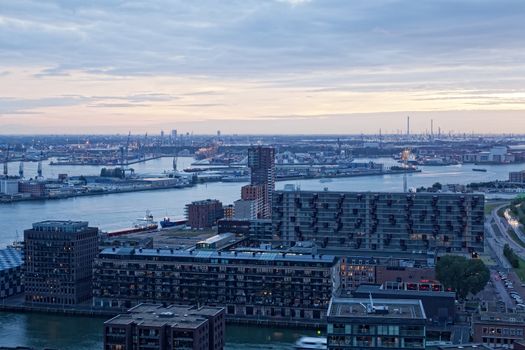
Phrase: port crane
(6,170)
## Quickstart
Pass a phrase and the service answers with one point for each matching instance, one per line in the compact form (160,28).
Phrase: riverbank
(114,163)
(92,193)
(17,304)
(347,175)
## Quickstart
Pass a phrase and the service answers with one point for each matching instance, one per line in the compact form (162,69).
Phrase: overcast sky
(261,66)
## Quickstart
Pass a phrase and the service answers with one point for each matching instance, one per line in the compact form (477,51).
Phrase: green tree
(462,275)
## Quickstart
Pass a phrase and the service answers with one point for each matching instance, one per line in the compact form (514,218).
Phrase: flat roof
(376,289)
(358,308)
(496,317)
(213,254)
(465,347)
(217,238)
(154,315)
(60,225)
(10,258)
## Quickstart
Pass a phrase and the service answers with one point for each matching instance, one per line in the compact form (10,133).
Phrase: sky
(261,66)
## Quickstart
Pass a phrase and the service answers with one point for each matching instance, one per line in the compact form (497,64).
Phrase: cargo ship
(167,222)
(140,225)
(480,169)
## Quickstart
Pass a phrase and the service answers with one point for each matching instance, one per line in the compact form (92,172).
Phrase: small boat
(324,180)
(479,169)
(309,343)
(167,222)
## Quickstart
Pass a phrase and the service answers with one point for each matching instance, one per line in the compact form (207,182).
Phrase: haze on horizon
(261,66)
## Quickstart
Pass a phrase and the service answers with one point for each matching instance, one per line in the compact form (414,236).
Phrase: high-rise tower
(261,161)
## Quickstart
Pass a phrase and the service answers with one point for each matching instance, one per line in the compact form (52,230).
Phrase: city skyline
(324,67)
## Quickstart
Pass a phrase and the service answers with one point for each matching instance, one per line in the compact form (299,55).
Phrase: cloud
(24,106)
(258,57)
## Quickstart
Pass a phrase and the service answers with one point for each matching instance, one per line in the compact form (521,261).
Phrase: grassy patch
(515,238)
(488,260)
(491,205)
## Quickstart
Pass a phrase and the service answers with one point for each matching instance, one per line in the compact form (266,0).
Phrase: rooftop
(377,290)
(10,258)
(218,238)
(213,254)
(496,317)
(154,315)
(464,347)
(360,307)
(60,226)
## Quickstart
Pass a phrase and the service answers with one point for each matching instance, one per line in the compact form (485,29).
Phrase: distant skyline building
(59,259)
(261,161)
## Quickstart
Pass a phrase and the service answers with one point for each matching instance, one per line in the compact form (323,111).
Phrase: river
(83,333)
(115,211)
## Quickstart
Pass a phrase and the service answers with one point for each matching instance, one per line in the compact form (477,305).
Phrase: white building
(9,186)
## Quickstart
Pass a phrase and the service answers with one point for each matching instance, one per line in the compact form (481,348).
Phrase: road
(497,237)
(503,226)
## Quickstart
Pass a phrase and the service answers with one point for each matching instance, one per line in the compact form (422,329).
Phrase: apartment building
(10,272)
(385,222)
(498,330)
(270,286)
(157,327)
(366,323)
(59,262)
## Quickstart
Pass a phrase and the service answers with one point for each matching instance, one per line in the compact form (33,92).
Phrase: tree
(511,256)
(462,275)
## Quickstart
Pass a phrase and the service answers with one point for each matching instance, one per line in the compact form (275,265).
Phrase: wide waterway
(113,211)
(82,333)
(119,210)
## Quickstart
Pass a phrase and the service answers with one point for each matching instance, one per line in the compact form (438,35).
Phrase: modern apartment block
(366,323)
(261,161)
(254,194)
(371,221)
(380,268)
(269,286)
(498,330)
(157,327)
(59,259)
(10,272)
(204,214)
